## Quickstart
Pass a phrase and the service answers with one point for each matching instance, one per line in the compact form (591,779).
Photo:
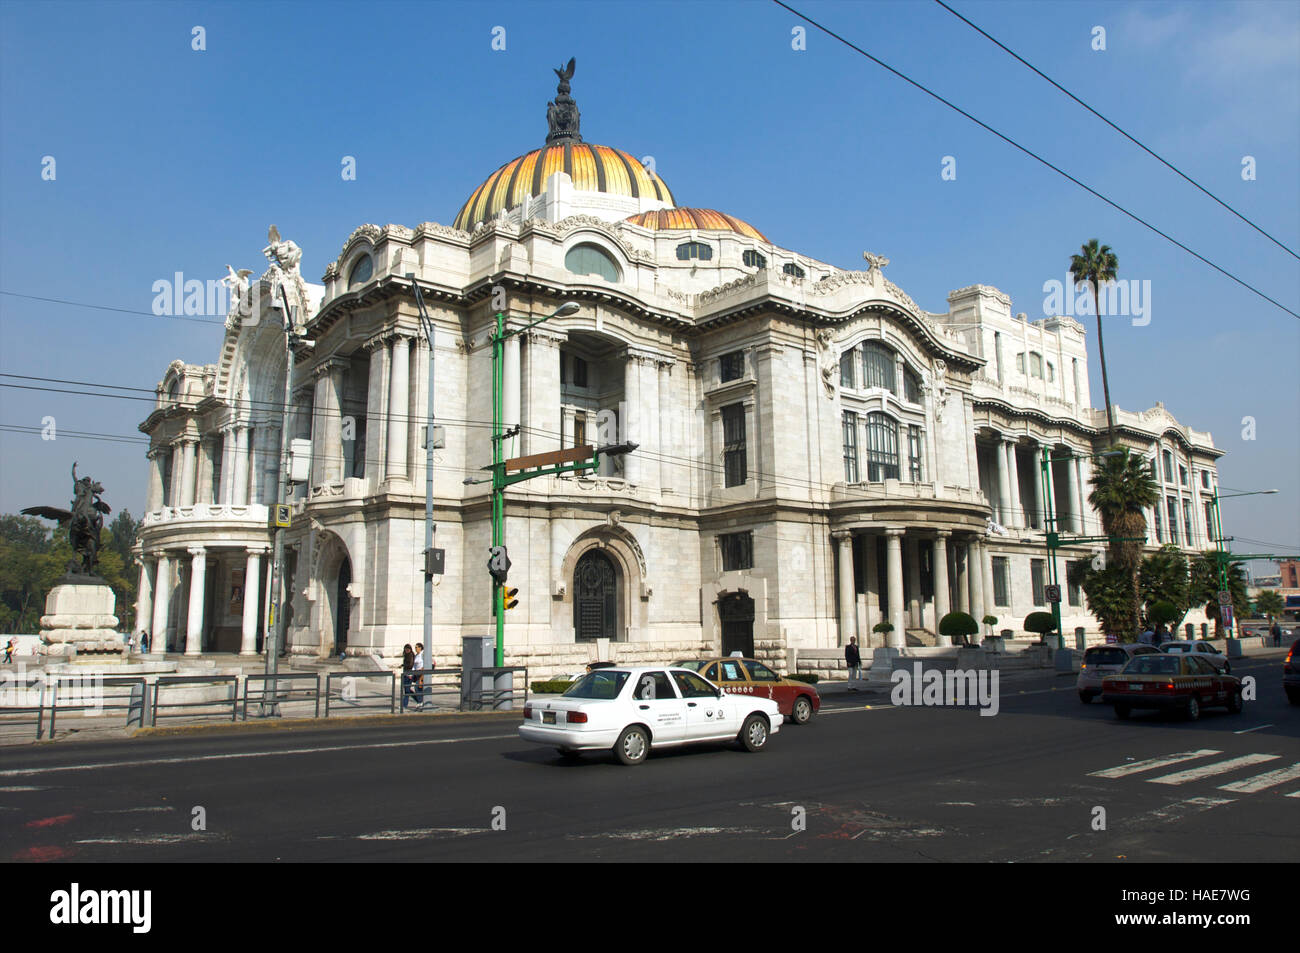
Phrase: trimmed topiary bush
(960,625)
(557,687)
(1040,623)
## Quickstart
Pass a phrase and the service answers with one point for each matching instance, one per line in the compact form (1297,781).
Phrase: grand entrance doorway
(342,607)
(736,613)
(595,597)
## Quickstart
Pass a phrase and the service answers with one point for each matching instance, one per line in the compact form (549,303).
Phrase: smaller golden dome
(704,219)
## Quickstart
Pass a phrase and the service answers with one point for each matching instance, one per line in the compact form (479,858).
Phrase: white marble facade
(756,513)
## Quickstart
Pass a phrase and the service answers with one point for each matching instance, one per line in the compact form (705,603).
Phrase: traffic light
(511,598)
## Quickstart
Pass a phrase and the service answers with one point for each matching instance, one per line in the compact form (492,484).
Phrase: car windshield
(1152,665)
(604,684)
(1106,657)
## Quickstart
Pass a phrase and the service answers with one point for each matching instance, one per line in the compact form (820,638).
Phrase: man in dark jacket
(853,660)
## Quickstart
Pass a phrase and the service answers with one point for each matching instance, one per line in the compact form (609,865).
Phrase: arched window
(793,270)
(911,386)
(882,448)
(878,367)
(361,272)
(590,260)
(687,251)
(753,259)
(174,390)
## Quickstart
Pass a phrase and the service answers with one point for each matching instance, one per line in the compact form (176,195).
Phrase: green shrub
(1040,623)
(557,687)
(800,677)
(961,625)
(885,627)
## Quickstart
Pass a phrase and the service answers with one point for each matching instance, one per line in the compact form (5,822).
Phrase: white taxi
(630,710)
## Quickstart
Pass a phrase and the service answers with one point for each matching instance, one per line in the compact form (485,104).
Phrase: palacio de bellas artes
(815,453)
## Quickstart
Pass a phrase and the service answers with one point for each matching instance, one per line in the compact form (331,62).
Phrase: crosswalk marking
(1136,766)
(1294,794)
(1179,809)
(1209,770)
(1262,781)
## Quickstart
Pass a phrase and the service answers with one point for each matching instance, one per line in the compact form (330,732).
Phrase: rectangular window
(1169,466)
(1209,520)
(1187,522)
(1038,576)
(733,444)
(1182,476)
(564,368)
(737,551)
(731,366)
(1001,581)
(850,447)
(1205,479)
(579,429)
(1072,588)
(1160,526)
(882,448)
(1171,505)
(914,444)
(579,372)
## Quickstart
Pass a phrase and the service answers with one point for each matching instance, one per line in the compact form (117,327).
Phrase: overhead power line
(1141,145)
(1035,156)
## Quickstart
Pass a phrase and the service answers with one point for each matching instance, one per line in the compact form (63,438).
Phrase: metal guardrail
(165,681)
(135,701)
(26,684)
(431,682)
(282,688)
(495,699)
(355,703)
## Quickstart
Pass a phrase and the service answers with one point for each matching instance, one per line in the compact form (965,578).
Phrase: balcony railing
(209,512)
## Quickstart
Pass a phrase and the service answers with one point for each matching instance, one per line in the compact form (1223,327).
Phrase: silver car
(1102,660)
(1206,650)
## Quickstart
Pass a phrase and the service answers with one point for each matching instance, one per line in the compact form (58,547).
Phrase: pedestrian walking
(1277,634)
(408,665)
(419,679)
(853,659)
(9,650)
(145,639)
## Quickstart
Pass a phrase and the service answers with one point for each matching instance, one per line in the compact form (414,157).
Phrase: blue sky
(173,160)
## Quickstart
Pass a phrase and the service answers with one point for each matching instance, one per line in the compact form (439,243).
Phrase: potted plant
(1042,624)
(990,621)
(883,628)
(960,625)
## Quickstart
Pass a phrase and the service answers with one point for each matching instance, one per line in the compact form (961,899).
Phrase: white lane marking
(841,711)
(1136,766)
(419,833)
(661,834)
(1179,809)
(153,839)
(27,772)
(137,810)
(20,787)
(1246,731)
(1261,781)
(1209,770)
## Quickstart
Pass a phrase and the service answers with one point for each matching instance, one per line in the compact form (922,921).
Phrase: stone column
(975,570)
(666,441)
(252,588)
(848,609)
(226,491)
(1072,522)
(870,585)
(174,485)
(1013,478)
(187,471)
(332,429)
(1004,484)
(144,598)
(1081,496)
(198,576)
(915,604)
(376,394)
(162,597)
(510,393)
(1040,511)
(633,463)
(155,497)
(961,559)
(941,584)
(894,558)
(398,385)
(239,479)
(566,426)
(203,492)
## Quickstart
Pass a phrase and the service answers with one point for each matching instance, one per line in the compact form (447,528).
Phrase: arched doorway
(342,606)
(595,597)
(736,613)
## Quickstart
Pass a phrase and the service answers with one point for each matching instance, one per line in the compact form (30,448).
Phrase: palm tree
(1097,265)
(1123,488)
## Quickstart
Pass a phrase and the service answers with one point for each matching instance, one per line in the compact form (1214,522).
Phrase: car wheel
(1085,698)
(632,745)
(1193,710)
(802,711)
(1234,702)
(753,733)
(1122,712)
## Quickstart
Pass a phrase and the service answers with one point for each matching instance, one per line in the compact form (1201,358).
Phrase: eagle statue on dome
(562,112)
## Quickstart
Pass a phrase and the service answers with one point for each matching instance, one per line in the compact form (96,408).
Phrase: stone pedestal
(79,618)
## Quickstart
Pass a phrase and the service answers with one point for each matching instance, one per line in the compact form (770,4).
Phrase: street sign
(1225,615)
(550,458)
(281,515)
(498,563)
(435,562)
(1225,598)
(1053,593)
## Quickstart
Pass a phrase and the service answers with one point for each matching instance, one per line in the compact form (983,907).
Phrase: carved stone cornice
(430,229)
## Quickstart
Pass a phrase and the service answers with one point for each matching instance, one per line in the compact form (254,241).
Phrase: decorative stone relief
(827,359)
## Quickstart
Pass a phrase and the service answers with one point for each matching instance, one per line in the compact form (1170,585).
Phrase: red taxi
(1186,683)
(798,701)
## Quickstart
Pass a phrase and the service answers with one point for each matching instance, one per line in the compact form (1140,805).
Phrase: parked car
(1102,660)
(1186,682)
(1207,650)
(799,701)
(1291,673)
(630,710)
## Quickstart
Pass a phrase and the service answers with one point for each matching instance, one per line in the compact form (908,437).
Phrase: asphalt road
(874,783)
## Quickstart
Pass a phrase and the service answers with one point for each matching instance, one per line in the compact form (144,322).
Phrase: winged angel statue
(85,519)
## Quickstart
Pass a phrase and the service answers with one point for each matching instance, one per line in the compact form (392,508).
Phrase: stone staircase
(920,637)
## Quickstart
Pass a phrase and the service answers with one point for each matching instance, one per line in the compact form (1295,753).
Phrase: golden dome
(704,219)
(592,168)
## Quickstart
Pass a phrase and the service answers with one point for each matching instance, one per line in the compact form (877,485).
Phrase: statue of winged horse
(85,519)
